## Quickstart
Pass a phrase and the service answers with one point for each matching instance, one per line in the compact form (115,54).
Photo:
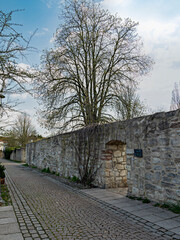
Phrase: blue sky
(159,27)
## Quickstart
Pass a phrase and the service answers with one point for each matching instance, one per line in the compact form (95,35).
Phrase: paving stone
(9,228)
(15,236)
(169,224)
(6,208)
(56,211)
(7,220)
(152,218)
(176,230)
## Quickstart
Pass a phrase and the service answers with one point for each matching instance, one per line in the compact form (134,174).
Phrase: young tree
(129,104)
(95,54)
(13,77)
(87,154)
(175,99)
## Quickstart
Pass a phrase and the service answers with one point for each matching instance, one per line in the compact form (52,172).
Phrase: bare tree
(95,53)
(129,104)
(175,99)
(13,77)
(21,132)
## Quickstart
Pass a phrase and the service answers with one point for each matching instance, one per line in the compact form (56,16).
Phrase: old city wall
(154,174)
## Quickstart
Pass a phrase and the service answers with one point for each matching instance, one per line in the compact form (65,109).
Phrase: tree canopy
(96,55)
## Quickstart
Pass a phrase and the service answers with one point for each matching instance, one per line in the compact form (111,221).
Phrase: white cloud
(160,36)
(114,5)
(46,29)
(20,96)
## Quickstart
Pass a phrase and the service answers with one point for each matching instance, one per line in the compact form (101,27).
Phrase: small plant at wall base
(46,170)
(5,195)
(172,207)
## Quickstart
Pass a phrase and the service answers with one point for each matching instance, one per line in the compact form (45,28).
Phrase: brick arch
(114,159)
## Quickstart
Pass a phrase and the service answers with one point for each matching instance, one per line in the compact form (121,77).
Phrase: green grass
(131,197)
(144,200)
(25,165)
(46,170)
(139,198)
(5,195)
(171,207)
(74,179)
(33,166)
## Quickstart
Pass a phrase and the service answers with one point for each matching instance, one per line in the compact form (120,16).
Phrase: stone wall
(155,175)
(18,154)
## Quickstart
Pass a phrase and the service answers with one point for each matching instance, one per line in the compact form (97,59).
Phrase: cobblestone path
(48,209)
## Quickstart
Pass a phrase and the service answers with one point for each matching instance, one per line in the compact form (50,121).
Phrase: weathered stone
(148,176)
(120,167)
(156,160)
(120,159)
(129,151)
(123,173)
(117,153)
(112,147)
(157,168)
(158,171)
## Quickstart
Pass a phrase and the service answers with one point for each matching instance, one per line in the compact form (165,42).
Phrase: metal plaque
(138,153)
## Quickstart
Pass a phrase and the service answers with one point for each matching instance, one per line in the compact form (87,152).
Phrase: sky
(159,28)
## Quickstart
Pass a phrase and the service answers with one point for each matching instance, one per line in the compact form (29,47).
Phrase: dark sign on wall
(138,153)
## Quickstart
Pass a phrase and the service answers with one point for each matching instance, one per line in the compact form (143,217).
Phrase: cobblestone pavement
(48,209)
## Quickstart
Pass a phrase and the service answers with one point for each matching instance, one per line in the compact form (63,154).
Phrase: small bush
(2,169)
(139,198)
(7,152)
(75,179)
(26,165)
(145,200)
(46,170)
(5,194)
(131,197)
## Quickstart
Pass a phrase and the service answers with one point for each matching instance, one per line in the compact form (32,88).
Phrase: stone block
(148,176)
(117,153)
(112,147)
(120,166)
(157,168)
(124,154)
(123,173)
(149,186)
(129,151)
(156,160)
(120,159)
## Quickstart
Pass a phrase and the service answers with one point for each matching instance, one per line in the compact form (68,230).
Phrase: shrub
(7,152)
(75,179)
(2,169)
(46,170)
